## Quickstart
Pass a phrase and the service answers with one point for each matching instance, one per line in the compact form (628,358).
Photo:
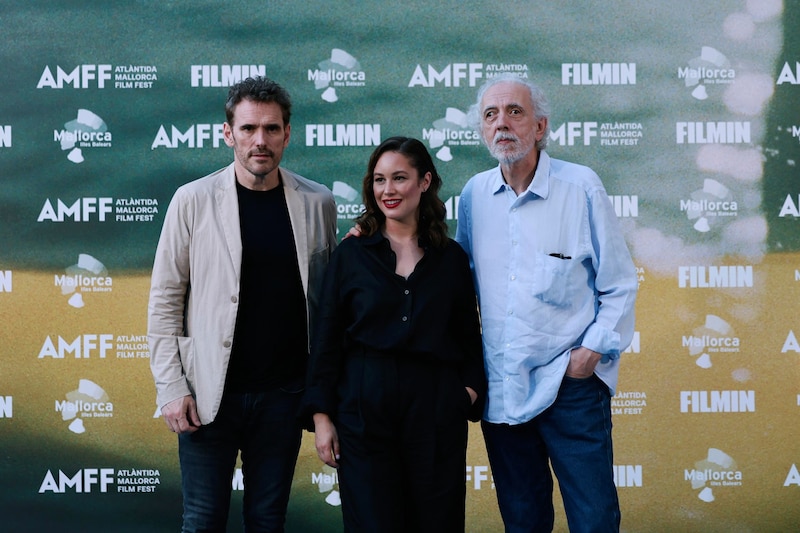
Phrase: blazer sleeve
(169,288)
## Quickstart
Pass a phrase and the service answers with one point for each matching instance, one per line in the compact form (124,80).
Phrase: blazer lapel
(228,205)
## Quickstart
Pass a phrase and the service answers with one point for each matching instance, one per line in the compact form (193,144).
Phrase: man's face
(508,122)
(258,137)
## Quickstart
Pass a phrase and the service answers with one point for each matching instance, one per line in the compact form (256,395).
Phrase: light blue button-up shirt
(553,273)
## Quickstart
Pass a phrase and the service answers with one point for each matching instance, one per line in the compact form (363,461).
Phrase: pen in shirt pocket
(560,256)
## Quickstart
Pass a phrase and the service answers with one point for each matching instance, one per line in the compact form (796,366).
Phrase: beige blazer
(194,293)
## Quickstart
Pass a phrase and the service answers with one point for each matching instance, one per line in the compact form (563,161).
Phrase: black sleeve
(466,328)
(327,339)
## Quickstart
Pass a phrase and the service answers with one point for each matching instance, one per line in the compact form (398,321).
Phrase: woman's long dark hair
(431,226)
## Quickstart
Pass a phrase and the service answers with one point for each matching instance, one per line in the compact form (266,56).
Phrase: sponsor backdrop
(687,110)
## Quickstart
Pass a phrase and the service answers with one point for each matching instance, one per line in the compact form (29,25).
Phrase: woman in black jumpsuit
(396,365)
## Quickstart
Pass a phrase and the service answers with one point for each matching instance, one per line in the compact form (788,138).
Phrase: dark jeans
(574,436)
(265,428)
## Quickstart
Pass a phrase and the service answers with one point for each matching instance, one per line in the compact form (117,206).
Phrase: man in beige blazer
(234,290)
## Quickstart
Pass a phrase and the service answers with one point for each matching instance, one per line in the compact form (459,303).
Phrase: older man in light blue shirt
(557,289)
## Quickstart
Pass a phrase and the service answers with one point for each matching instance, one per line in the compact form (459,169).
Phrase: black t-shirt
(270,343)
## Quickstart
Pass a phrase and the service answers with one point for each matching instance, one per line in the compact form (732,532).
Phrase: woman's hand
(326,440)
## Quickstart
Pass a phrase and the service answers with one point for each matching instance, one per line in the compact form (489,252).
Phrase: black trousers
(402,425)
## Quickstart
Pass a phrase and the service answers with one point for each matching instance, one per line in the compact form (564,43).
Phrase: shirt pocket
(556,280)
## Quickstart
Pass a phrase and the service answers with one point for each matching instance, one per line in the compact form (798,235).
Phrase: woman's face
(397,187)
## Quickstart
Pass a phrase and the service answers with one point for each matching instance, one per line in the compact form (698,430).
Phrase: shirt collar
(377,238)
(540,185)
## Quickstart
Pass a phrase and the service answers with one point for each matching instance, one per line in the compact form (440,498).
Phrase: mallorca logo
(328,482)
(87,131)
(87,276)
(711,67)
(708,206)
(88,401)
(341,70)
(715,336)
(348,204)
(717,470)
(452,130)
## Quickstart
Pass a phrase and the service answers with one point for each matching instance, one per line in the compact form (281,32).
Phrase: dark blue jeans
(574,436)
(265,428)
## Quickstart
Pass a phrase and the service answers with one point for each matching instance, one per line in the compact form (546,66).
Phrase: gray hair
(541,107)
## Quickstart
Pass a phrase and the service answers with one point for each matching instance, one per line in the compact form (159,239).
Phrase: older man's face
(508,122)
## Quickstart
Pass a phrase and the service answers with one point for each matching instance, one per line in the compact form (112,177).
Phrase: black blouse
(366,308)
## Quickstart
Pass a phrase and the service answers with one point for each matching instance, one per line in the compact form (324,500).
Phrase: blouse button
(405,319)
(406,291)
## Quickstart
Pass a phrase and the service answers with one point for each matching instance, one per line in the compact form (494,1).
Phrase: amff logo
(82,347)
(789,207)
(195,136)
(788,75)
(452,130)
(711,67)
(81,77)
(793,477)
(451,75)
(598,74)
(223,75)
(790,344)
(81,210)
(342,70)
(717,470)
(568,133)
(87,131)
(84,481)
(610,133)
(91,76)
(5,136)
